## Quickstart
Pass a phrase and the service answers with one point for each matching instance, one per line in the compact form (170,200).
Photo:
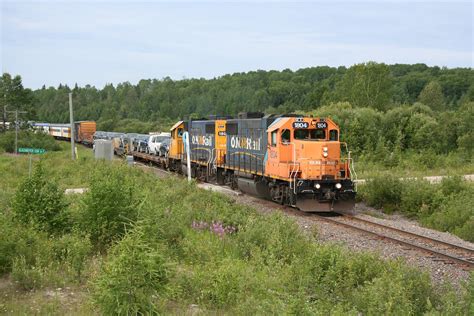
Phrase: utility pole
(71,118)
(16,127)
(4,117)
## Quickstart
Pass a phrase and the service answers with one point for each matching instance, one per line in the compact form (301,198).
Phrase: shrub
(110,205)
(455,214)
(383,191)
(417,197)
(28,139)
(132,278)
(19,240)
(39,201)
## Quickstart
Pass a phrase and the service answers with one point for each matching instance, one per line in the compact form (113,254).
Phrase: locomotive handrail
(294,169)
(350,161)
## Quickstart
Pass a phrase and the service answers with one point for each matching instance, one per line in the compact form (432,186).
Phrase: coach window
(333,135)
(274,138)
(285,136)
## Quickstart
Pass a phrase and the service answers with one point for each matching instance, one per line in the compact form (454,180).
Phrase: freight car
(83,131)
(292,160)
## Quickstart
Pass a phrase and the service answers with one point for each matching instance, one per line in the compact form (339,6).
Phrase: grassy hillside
(138,244)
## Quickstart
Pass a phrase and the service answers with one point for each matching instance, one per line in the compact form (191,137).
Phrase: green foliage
(15,96)
(366,85)
(383,191)
(110,205)
(131,279)
(448,206)
(370,84)
(73,249)
(39,201)
(159,261)
(455,213)
(19,240)
(27,139)
(36,259)
(432,95)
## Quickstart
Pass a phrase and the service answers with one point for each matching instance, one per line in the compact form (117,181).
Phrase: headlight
(325,149)
(317,186)
(338,186)
(325,154)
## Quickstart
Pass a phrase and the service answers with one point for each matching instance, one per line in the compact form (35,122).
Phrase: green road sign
(31,150)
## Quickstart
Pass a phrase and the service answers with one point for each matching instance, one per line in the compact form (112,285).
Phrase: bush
(39,201)
(110,205)
(448,206)
(383,191)
(417,197)
(455,214)
(28,139)
(19,240)
(132,278)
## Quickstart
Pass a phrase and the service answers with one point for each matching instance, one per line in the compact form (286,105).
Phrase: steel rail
(404,232)
(457,260)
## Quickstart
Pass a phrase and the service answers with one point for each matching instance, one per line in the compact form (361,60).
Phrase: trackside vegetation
(27,139)
(135,244)
(448,206)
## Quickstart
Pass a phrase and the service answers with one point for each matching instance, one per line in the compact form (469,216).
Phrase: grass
(186,249)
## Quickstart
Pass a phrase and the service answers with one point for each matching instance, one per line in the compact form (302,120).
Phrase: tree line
(416,106)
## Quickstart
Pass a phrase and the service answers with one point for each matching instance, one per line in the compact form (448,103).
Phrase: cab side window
(180,132)
(274,138)
(333,135)
(285,136)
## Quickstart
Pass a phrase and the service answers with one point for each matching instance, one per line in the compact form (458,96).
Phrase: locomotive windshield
(309,134)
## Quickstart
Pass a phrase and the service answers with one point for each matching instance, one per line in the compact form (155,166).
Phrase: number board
(321,125)
(300,125)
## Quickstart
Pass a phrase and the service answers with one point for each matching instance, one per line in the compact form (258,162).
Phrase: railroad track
(443,251)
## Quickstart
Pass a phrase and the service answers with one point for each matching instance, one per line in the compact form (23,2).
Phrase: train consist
(290,159)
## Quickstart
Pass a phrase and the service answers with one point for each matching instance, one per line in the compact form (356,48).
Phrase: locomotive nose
(318,160)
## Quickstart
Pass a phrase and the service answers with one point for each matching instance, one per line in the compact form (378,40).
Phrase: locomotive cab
(305,154)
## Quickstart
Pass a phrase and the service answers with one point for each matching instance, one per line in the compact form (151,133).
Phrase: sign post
(31,152)
(188,154)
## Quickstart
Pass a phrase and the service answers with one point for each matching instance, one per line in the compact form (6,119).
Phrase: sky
(100,42)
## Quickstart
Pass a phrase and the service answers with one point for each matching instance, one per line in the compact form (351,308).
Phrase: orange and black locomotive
(290,159)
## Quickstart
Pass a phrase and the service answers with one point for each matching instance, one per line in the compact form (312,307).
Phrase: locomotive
(290,159)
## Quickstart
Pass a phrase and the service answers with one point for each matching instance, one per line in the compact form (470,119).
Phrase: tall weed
(132,278)
(110,205)
(40,202)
